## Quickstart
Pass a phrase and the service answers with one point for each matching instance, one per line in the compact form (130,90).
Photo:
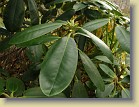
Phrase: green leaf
(81,42)
(37,52)
(14,15)
(61,1)
(67,15)
(59,66)
(123,37)
(104,59)
(95,24)
(92,71)
(125,93)
(79,90)
(4,44)
(37,93)
(107,70)
(39,40)
(90,85)
(2,84)
(112,5)
(79,6)
(103,5)
(32,73)
(106,92)
(98,42)
(34,93)
(92,14)
(35,32)
(34,15)
(68,6)
(15,86)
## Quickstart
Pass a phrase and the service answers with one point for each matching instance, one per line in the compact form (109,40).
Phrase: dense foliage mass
(64,49)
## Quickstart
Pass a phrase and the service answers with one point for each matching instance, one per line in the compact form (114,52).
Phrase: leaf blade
(98,42)
(108,90)
(95,24)
(33,12)
(107,70)
(14,15)
(92,71)
(59,64)
(35,32)
(123,37)
(125,93)
(79,90)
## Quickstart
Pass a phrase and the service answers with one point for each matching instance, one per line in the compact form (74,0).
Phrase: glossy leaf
(103,5)
(35,32)
(40,40)
(107,70)
(103,58)
(123,37)
(95,24)
(92,71)
(58,67)
(125,93)
(14,15)
(99,43)
(37,93)
(15,86)
(34,15)
(106,92)
(67,15)
(79,90)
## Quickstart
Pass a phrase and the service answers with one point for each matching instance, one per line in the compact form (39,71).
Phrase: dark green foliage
(14,15)
(64,49)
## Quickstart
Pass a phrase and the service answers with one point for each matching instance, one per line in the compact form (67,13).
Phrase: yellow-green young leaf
(123,37)
(99,43)
(13,15)
(79,90)
(125,93)
(58,66)
(37,93)
(106,92)
(95,24)
(107,70)
(34,15)
(92,71)
(34,32)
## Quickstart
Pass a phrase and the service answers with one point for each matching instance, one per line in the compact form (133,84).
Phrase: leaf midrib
(60,64)
(28,33)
